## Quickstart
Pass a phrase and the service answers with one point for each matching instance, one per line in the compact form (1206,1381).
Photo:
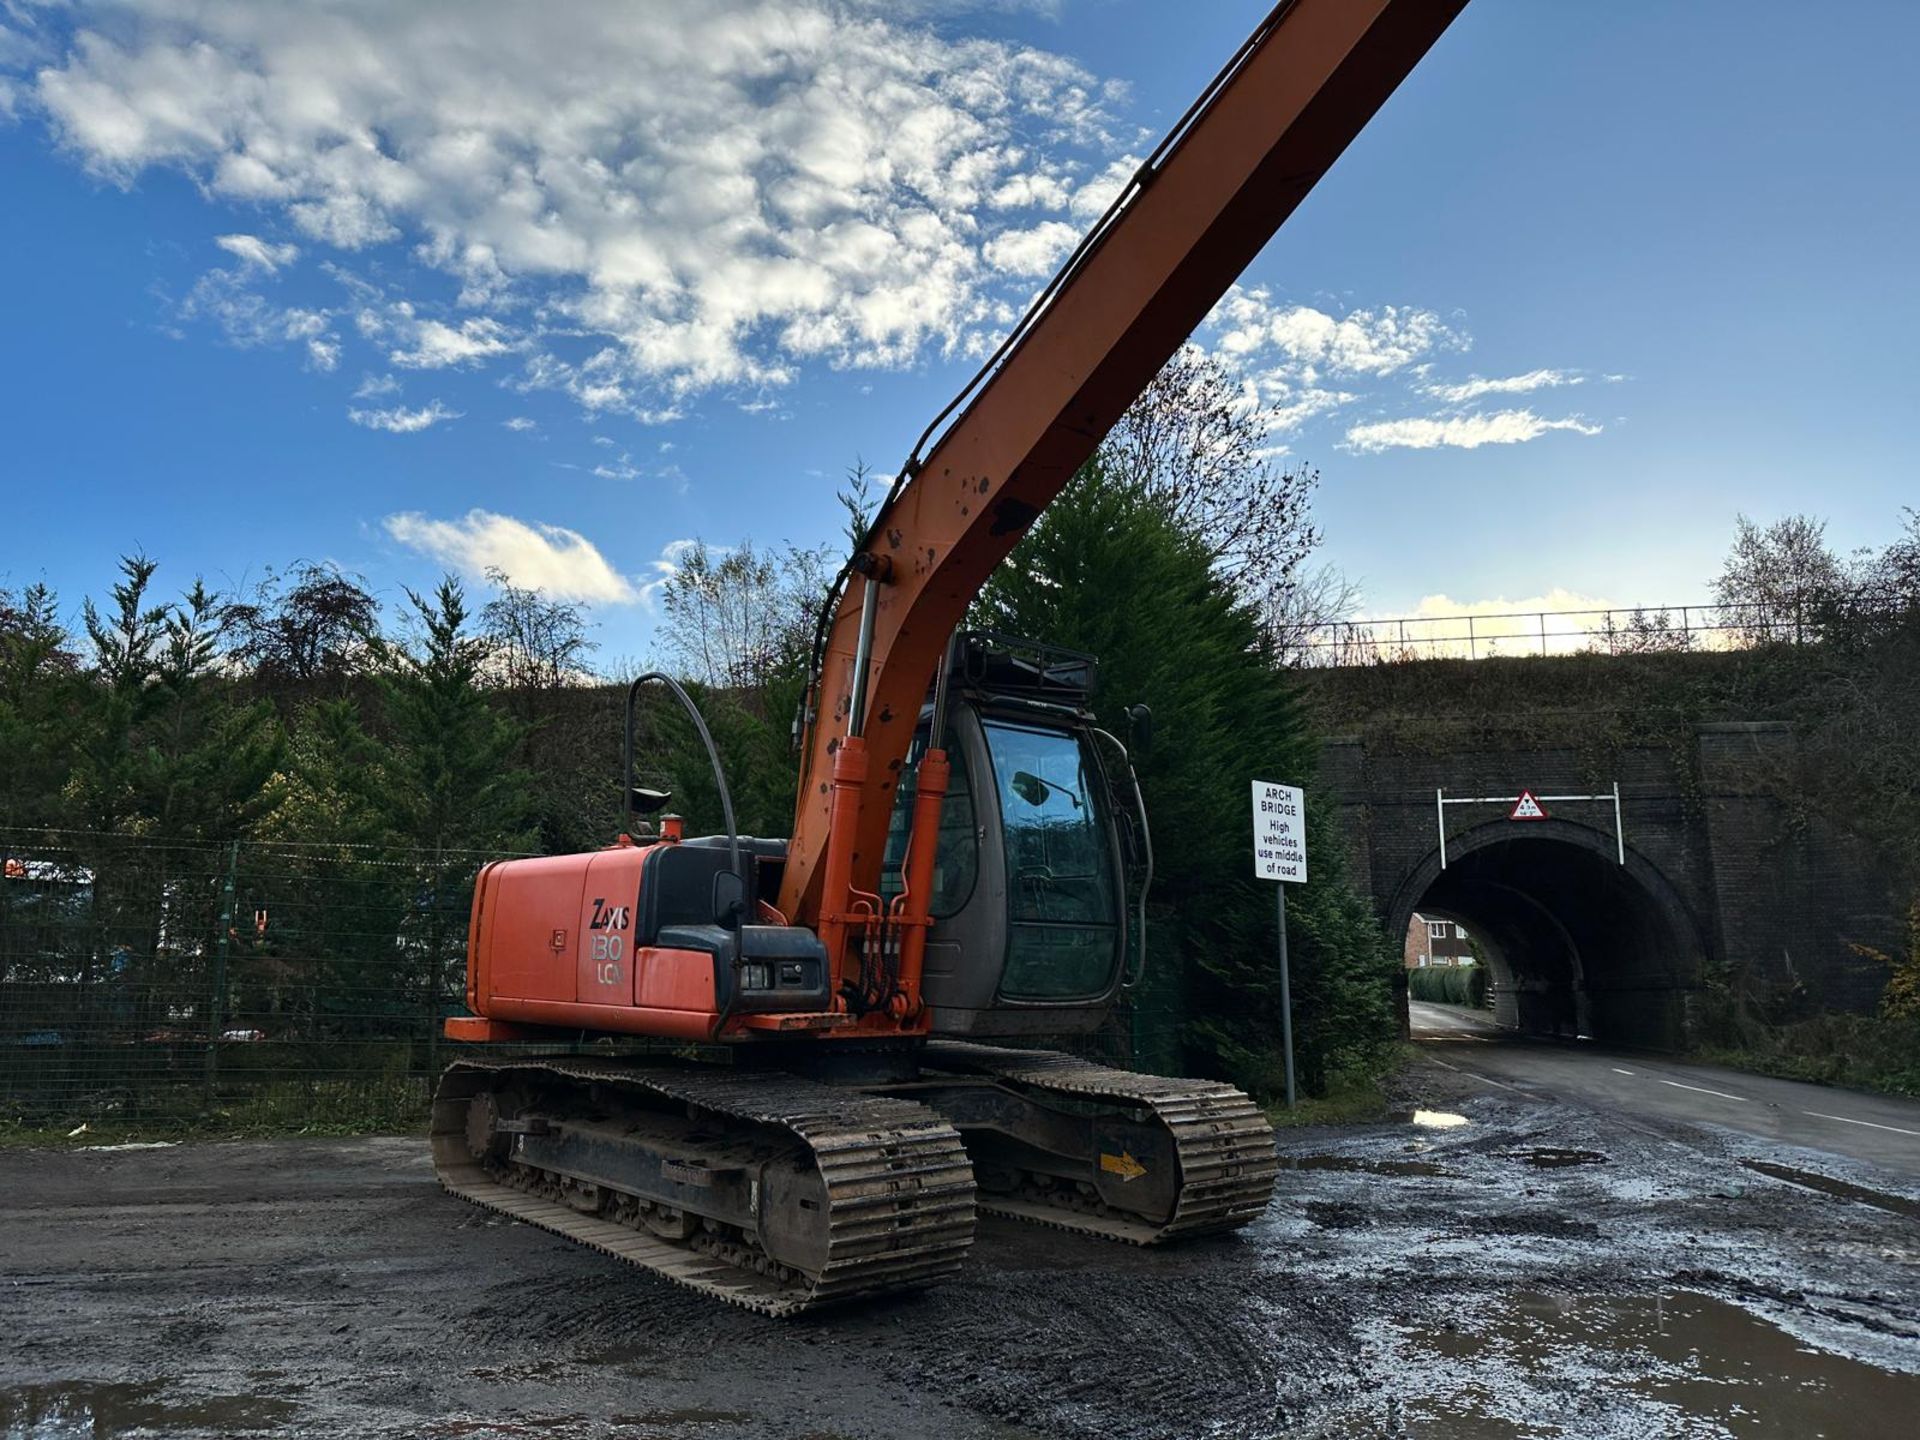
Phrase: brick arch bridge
(1721,878)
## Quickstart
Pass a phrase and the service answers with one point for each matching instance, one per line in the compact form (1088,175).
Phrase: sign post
(1280,853)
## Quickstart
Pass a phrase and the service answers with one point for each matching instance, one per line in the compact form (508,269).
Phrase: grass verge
(1354,1096)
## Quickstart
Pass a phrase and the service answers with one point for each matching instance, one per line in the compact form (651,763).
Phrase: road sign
(1279,833)
(1527,808)
(1280,853)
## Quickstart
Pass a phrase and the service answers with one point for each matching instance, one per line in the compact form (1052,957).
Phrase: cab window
(1063,938)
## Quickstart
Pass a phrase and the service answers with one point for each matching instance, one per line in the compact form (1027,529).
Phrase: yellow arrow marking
(1123,1165)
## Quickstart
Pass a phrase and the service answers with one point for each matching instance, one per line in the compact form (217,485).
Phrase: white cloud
(657,198)
(254,253)
(1091,200)
(1034,252)
(1464,432)
(1476,387)
(562,564)
(401,421)
(1249,325)
(20,51)
(1553,601)
(436,345)
(665,566)
(518,423)
(1297,363)
(373,386)
(249,319)
(1558,622)
(621,469)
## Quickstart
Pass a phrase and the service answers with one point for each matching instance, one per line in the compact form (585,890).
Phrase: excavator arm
(1225,179)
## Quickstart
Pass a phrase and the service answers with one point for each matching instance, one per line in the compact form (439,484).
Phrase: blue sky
(556,288)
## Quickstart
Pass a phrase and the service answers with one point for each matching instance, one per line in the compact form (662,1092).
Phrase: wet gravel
(1539,1270)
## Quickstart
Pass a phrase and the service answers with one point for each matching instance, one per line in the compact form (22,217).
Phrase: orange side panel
(552,946)
(604,964)
(530,929)
(680,980)
(476,945)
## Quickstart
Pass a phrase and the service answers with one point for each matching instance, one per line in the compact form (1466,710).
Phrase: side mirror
(1139,727)
(647,802)
(1036,792)
(1030,788)
(729,899)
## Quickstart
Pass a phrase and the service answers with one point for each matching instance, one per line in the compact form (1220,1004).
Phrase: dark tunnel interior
(1576,943)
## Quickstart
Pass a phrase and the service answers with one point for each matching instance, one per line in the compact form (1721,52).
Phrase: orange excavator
(966,849)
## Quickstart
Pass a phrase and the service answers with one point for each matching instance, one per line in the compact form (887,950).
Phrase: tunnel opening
(1577,943)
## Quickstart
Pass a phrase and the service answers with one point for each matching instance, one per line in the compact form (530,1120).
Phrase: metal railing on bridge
(1636,630)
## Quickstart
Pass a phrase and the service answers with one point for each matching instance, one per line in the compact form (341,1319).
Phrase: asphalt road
(1881,1130)
(1487,1262)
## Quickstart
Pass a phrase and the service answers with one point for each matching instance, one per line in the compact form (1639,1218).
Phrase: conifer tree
(1110,569)
(39,692)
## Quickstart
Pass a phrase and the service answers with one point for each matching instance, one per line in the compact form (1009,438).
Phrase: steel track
(1223,1143)
(900,1189)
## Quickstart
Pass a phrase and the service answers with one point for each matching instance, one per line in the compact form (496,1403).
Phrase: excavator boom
(1289,102)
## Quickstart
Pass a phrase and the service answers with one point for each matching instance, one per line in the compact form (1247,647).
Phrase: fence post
(217,1000)
(435,965)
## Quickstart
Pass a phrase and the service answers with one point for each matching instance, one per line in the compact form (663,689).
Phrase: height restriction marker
(1526,808)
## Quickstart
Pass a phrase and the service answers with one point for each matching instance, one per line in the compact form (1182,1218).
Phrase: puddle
(1550,1159)
(83,1411)
(1429,1119)
(1365,1167)
(1662,1360)
(1840,1189)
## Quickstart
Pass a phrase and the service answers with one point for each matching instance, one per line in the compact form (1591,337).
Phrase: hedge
(1450,985)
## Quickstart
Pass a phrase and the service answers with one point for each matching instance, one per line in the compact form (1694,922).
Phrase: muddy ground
(1539,1270)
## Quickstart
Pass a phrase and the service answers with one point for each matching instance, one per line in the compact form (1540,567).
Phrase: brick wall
(1777,898)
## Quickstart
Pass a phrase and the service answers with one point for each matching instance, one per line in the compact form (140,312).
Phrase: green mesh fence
(159,982)
(165,984)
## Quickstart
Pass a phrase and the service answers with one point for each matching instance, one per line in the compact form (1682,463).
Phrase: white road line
(1704,1091)
(1848,1120)
(1618,1071)
(1476,1075)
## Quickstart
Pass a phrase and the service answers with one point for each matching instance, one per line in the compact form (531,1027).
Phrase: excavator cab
(1042,853)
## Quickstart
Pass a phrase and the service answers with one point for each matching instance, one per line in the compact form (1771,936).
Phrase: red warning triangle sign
(1527,808)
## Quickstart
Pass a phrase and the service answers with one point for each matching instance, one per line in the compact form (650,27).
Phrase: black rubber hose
(706,739)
